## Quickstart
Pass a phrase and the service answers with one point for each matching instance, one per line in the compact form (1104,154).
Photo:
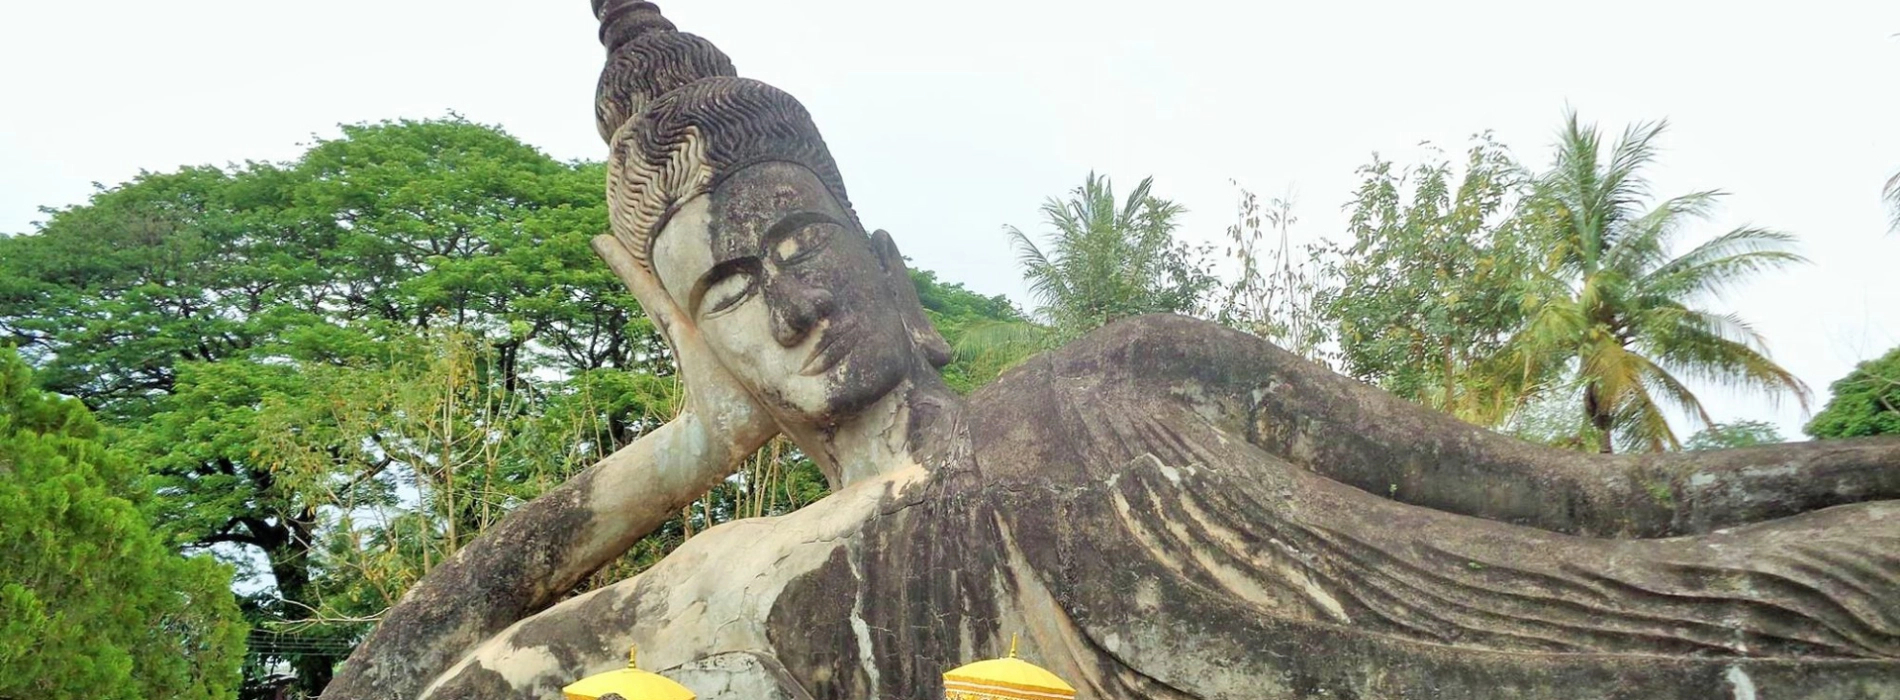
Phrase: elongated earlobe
(922,334)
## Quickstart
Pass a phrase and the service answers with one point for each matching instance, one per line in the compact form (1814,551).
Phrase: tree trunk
(1599,419)
(288,550)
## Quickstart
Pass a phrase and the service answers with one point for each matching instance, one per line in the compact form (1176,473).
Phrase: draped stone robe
(1167,509)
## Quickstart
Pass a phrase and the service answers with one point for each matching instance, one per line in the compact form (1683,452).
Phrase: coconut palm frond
(1646,240)
(997,346)
(1892,194)
(1722,350)
(1714,267)
(1103,257)
(1614,306)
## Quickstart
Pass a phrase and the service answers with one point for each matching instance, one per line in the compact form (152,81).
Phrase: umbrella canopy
(1005,679)
(630,683)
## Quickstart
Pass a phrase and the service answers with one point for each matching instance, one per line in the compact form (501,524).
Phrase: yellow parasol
(630,683)
(1005,679)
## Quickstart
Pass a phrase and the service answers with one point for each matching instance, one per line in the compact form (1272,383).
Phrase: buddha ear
(922,333)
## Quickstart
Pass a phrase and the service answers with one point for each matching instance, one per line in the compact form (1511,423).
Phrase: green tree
(1614,310)
(92,602)
(1274,294)
(1550,416)
(956,312)
(1109,259)
(108,298)
(1866,402)
(1429,289)
(1102,259)
(187,306)
(339,369)
(114,298)
(433,449)
(1722,436)
(447,223)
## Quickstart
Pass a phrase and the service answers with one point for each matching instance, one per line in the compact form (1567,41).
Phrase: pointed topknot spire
(622,21)
(646,57)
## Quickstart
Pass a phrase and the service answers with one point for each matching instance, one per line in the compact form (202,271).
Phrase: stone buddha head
(725,193)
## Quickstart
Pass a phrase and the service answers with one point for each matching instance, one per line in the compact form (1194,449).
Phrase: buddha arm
(1358,435)
(539,552)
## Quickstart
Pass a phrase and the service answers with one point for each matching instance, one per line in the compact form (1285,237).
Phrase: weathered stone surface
(738,676)
(1163,509)
(1108,501)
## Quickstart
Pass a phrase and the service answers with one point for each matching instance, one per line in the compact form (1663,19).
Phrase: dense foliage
(334,372)
(93,602)
(1430,287)
(957,312)
(1866,402)
(1617,310)
(1722,436)
(1100,259)
(1479,288)
(1556,306)
(1107,259)
(338,369)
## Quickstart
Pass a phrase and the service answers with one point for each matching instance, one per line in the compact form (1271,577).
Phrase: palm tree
(1615,312)
(1103,259)
(1892,194)
(1107,260)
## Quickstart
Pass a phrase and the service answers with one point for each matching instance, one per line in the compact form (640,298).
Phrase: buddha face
(788,293)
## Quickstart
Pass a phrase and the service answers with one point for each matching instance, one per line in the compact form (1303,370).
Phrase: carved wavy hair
(678,122)
(643,64)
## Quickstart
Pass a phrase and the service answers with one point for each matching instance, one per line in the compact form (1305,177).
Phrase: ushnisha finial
(603,8)
(1012,645)
(633,657)
(646,58)
(622,21)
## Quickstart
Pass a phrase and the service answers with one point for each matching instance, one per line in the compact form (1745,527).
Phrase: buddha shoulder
(1088,400)
(1151,350)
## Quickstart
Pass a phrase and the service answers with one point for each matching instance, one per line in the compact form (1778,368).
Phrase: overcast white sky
(951,119)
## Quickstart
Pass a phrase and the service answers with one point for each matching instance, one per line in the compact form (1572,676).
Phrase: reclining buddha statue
(1162,509)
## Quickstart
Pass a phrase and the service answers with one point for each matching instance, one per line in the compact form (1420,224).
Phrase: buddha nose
(797,310)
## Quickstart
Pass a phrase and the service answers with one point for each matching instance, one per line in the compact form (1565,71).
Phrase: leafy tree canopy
(216,313)
(1866,402)
(1618,311)
(1101,259)
(1430,287)
(1104,259)
(957,313)
(93,603)
(1722,436)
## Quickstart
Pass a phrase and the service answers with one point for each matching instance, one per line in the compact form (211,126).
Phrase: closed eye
(799,236)
(725,285)
(807,241)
